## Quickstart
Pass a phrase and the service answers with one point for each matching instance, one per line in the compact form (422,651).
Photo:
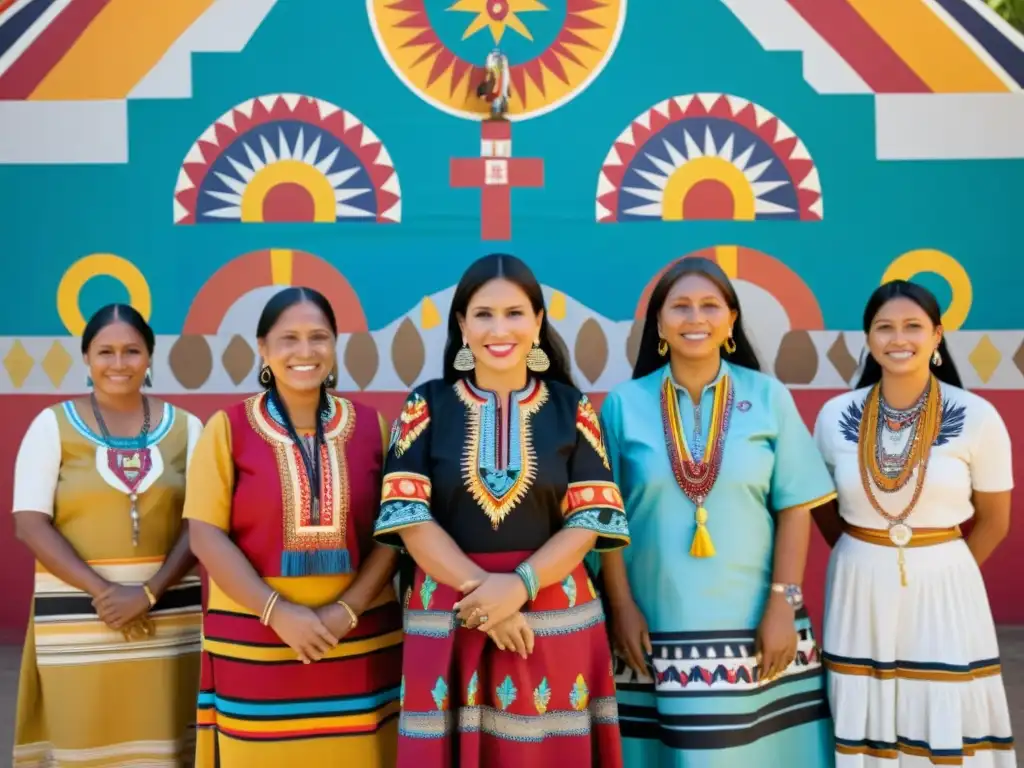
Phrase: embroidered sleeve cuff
(405,502)
(597,507)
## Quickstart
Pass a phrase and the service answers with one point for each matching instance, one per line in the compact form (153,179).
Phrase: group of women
(512,522)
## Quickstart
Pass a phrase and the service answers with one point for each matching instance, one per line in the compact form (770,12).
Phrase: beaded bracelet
(269,608)
(525,572)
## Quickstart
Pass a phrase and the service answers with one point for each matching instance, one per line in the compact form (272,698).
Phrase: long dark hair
(925,299)
(493,267)
(118,313)
(648,360)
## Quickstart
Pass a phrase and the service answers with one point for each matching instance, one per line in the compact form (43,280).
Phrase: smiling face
(902,337)
(117,359)
(500,326)
(299,348)
(695,319)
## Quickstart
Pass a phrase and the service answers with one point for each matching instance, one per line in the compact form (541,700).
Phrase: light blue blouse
(770,463)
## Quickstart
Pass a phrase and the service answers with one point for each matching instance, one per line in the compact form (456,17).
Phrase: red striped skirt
(467,704)
(260,706)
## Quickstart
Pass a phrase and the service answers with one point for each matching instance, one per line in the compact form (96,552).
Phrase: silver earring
(88,381)
(537,359)
(331,380)
(148,381)
(936,358)
(464,360)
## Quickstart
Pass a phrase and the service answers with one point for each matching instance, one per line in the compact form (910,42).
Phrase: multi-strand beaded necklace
(696,478)
(889,472)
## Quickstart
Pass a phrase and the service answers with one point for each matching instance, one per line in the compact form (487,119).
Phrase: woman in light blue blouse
(717,664)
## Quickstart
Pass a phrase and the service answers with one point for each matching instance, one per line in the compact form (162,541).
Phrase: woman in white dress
(909,643)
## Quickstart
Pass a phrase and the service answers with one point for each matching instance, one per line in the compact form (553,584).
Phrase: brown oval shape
(237,359)
(591,349)
(191,361)
(361,358)
(633,342)
(797,361)
(407,352)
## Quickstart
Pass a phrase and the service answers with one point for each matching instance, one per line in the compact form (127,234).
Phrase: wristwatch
(792,593)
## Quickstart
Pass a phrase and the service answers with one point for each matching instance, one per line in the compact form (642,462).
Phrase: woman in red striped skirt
(497,484)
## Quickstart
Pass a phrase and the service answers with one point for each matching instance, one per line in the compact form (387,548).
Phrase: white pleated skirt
(913,672)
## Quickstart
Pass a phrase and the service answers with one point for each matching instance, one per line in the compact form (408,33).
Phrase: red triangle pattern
(339,124)
(798,169)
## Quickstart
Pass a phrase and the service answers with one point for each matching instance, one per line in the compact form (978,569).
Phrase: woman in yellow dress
(111,661)
(302,636)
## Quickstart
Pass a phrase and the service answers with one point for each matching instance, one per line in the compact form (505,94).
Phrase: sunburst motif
(287,157)
(708,156)
(446,71)
(674,159)
(497,15)
(265,156)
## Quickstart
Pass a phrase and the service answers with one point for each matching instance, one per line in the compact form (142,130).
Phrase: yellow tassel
(903,568)
(702,546)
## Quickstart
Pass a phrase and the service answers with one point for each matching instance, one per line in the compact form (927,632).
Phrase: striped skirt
(914,673)
(704,705)
(88,697)
(260,706)
(465,703)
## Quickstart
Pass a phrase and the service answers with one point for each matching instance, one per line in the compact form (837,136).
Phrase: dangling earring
(537,359)
(730,345)
(662,347)
(464,360)
(331,380)
(936,358)
(88,381)
(148,381)
(266,375)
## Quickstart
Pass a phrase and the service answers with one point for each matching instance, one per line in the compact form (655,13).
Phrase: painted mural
(193,156)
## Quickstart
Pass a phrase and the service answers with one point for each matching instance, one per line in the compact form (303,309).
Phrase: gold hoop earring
(662,347)
(464,360)
(266,375)
(730,345)
(936,358)
(537,359)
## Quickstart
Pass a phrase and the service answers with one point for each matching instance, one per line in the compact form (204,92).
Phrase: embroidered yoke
(259,705)
(502,479)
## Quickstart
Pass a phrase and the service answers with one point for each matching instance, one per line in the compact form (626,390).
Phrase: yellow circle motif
(554,49)
(99,265)
(913,263)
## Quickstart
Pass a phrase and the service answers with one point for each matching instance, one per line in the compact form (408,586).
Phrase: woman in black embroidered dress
(497,483)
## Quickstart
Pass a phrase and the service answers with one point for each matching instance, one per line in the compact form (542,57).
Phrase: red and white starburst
(242,118)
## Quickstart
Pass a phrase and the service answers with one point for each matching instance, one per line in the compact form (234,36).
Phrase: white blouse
(971,453)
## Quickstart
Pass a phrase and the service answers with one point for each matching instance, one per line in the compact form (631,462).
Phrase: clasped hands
(492,605)
(123,607)
(310,632)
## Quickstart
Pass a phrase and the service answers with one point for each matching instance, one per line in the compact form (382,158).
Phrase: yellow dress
(258,706)
(87,697)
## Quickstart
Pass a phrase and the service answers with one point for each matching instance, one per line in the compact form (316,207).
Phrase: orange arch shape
(280,267)
(759,269)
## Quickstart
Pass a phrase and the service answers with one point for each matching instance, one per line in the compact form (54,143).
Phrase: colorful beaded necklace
(696,478)
(872,475)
